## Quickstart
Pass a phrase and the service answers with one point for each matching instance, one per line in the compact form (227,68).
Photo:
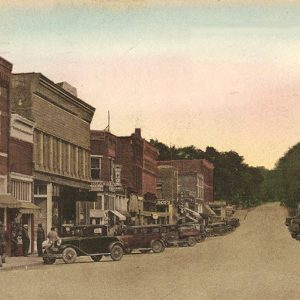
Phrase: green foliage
(234,181)
(287,177)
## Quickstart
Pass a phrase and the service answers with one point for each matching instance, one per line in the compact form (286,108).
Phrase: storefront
(14,214)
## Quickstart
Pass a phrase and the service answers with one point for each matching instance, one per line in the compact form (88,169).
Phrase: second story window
(96,168)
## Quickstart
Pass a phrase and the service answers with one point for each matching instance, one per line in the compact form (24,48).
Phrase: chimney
(137,132)
(68,87)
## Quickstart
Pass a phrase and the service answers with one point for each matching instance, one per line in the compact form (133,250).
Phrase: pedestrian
(3,241)
(14,243)
(52,235)
(40,239)
(25,240)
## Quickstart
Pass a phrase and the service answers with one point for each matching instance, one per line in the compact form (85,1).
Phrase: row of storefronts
(56,171)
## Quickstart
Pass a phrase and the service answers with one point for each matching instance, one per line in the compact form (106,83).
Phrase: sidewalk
(21,262)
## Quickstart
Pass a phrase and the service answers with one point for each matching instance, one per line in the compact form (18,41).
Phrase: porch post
(49,206)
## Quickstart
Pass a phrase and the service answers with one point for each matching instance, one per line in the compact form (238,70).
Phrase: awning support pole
(5,218)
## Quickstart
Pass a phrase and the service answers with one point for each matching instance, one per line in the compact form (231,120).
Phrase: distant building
(112,202)
(200,166)
(167,191)
(138,159)
(191,190)
(61,153)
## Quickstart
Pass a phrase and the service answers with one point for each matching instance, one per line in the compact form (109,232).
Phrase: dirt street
(258,261)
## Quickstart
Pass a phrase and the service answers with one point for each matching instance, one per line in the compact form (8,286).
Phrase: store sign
(162,202)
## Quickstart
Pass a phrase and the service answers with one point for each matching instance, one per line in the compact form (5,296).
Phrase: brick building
(200,166)
(138,159)
(5,74)
(61,153)
(167,191)
(191,190)
(111,205)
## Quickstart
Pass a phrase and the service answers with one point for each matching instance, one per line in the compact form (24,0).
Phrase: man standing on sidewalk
(40,239)
(3,241)
(25,240)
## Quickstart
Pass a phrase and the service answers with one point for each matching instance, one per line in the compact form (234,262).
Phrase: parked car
(294,227)
(143,238)
(187,234)
(217,228)
(289,219)
(90,241)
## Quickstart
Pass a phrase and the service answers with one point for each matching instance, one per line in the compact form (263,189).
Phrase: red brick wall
(197,165)
(150,155)
(21,155)
(5,75)
(104,143)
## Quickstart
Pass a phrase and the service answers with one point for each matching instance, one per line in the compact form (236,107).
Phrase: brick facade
(61,145)
(139,163)
(5,75)
(201,166)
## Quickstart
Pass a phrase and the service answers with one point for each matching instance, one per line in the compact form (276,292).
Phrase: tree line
(238,183)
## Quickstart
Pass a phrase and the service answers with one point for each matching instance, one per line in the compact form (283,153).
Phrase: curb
(18,267)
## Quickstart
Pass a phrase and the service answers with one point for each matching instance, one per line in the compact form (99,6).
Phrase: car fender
(164,243)
(78,251)
(117,243)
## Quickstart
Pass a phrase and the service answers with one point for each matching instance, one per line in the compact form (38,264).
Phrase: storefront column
(49,206)
(5,218)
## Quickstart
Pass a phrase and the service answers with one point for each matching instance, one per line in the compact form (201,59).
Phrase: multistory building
(61,146)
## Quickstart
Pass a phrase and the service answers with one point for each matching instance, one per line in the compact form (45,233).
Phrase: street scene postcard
(149,149)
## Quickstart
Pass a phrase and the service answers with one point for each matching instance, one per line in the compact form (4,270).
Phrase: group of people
(24,235)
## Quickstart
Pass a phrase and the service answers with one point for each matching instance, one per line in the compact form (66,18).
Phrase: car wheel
(116,252)
(69,255)
(96,258)
(49,260)
(191,241)
(157,247)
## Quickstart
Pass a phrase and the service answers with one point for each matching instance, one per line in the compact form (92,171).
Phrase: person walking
(25,240)
(3,241)
(40,239)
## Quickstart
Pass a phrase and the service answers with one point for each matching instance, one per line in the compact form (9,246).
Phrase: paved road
(258,261)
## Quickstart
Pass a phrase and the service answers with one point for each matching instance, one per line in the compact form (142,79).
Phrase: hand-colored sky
(219,74)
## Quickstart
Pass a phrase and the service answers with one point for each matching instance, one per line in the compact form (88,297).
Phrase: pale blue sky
(220,75)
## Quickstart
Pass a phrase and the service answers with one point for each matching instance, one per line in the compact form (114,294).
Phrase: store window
(3,92)
(96,168)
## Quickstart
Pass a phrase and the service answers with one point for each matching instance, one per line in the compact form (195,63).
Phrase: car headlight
(58,242)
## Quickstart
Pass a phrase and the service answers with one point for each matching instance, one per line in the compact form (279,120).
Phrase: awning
(8,201)
(209,210)
(194,213)
(118,215)
(28,207)
(192,219)
(97,213)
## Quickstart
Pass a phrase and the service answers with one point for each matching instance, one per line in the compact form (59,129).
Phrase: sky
(224,74)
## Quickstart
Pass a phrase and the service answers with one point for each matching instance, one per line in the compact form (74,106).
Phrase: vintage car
(294,227)
(187,234)
(143,238)
(90,241)
(217,228)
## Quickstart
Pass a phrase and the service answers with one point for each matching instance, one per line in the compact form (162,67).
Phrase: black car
(143,238)
(90,241)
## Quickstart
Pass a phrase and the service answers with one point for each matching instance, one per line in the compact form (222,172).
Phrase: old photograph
(149,149)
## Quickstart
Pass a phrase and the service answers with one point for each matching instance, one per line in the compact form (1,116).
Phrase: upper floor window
(96,167)
(3,92)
